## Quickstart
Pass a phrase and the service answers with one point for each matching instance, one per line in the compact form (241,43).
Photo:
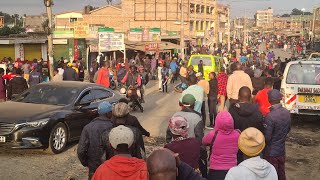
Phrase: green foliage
(11,19)
(285,15)
(6,31)
(296,11)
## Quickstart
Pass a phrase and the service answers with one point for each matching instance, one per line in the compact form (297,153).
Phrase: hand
(178,161)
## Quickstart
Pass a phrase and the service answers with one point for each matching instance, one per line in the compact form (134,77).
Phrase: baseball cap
(178,125)
(104,108)
(120,110)
(251,142)
(188,100)
(274,95)
(121,135)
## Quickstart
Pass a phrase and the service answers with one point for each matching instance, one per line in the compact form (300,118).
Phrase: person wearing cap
(70,74)
(103,76)
(121,116)
(252,142)
(90,150)
(187,148)
(121,72)
(195,90)
(206,87)
(223,143)
(277,125)
(122,165)
(35,77)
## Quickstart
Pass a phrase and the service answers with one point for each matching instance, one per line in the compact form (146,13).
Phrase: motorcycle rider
(133,81)
(144,81)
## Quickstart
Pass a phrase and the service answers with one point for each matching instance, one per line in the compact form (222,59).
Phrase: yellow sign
(1,21)
(81,29)
(309,99)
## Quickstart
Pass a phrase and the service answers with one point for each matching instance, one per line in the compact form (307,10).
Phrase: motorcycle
(113,84)
(134,96)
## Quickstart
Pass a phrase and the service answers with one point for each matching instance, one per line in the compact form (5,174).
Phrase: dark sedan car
(50,115)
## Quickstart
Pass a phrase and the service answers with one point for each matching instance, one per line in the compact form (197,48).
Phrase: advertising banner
(63,34)
(154,34)
(110,41)
(135,35)
(81,29)
(151,47)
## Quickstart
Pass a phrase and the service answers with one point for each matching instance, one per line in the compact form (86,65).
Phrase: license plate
(2,139)
(311,99)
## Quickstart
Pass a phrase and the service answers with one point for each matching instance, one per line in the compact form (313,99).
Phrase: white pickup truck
(314,57)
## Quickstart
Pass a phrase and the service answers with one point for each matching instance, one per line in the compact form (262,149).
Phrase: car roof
(204,55)
(303,62)
(74,84)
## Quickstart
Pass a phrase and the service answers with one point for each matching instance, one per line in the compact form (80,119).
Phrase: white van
(301,87)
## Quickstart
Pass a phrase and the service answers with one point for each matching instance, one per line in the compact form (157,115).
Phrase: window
(73,19)
(304,74)
(100,94)
(196,60)
(87,97)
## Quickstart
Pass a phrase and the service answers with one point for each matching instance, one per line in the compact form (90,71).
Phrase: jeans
(217,174)
(164,86)
(279,165)
(203,113)
(212,103)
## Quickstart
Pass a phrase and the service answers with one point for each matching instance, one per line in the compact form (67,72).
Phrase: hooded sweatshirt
(121,167)
(225,146)
(246,115)
(253,169)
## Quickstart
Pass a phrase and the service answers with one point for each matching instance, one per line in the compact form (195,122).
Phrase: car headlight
(38,123)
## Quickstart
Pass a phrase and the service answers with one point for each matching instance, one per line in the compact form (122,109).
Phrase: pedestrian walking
(206,87)
(90,149)
(261,98)
(164,78)
(70,74)
(16,85)
(122,165)
(223,143)
(103,77)
(222,79)
(251,143)
(212,99)
(187,148)
(277,126)
(26,68)
(57,77)
(237,80)
(183,72)
(35,77)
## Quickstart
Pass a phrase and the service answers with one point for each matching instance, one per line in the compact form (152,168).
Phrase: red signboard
(151,47)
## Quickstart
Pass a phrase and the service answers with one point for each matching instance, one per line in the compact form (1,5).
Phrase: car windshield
(196,60)
(304,74)
(48,94)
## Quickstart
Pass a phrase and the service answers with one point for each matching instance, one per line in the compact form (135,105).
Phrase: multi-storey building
(282,23)
(301,22)
(264,18)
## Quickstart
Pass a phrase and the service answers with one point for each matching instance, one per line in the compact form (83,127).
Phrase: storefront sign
(21,52)
(110,41)
(1,21)
(63,34)
(76,50)
(60,41)
(309,90)
(81,29)
(155,34)
(200,34)
(135,35)
(172,33)
(151,47)
(94,48)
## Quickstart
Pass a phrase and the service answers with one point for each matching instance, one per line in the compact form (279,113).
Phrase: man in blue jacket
(277,126)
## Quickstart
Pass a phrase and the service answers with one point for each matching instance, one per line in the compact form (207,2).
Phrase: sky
(238,7)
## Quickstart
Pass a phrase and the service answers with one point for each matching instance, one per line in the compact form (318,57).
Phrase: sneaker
(210,127)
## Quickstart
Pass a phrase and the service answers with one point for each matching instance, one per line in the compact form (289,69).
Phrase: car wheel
(58,139)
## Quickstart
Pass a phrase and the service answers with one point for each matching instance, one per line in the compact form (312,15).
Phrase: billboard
(81,29)
(110,41)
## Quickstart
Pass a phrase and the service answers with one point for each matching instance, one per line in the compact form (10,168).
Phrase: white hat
(121,135)
(198,74)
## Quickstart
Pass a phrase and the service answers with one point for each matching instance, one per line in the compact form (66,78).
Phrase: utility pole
(182,31)
(49,4)
(229,32)
(315,12)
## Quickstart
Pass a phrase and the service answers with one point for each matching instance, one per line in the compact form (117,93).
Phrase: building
(34,23)
(264,19)
(301,22)
(282,23)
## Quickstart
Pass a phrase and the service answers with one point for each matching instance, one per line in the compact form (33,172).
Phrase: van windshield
(196,60)
(304,74)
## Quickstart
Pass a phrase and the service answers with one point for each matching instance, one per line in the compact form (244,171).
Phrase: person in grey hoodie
(251,143)
(35,77)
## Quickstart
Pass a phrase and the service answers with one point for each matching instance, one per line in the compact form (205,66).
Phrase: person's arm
(99,77)
(229,87)
(139,80)
(268,128)
(206,140)
(83,146)
(125,78)
(186,172)
(137,124)
(198,131)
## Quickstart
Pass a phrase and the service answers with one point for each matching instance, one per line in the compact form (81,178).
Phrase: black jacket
(213,84)
(35,78)
(70,75)
(246,115)
(16,86)
(90,150)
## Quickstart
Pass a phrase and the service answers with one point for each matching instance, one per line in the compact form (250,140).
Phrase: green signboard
(105,29)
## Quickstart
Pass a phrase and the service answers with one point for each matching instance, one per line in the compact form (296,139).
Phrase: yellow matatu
(210,63)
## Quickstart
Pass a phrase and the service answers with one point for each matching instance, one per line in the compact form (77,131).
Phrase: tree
(296,11)
(285,15)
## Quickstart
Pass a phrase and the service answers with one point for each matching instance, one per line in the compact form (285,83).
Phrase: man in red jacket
(103,75)
(122,165)
(2,86)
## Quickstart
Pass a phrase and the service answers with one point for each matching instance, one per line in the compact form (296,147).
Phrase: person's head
(120,110)
(251,142)
(212,75)
(188,100)
(105,109)
(274,96)
(201,62)
(268,83)
(222,69)
(161,164)
(124,100)
(55,72)
(121,139)
(244,94)
(192,80)
(179,126)
(106,64)
(1,71)
(18,71)
(199,76)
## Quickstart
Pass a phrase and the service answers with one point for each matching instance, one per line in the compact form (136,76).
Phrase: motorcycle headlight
(38,123)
